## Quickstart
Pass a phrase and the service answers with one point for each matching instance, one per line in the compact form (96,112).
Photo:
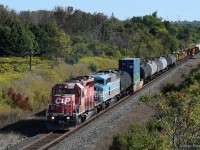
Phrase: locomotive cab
(60,111)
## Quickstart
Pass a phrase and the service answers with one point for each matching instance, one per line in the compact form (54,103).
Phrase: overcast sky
(171,10)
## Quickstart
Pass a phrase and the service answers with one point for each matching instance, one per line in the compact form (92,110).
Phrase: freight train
(76,100)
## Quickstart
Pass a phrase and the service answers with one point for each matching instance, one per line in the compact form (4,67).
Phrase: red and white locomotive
(72,103)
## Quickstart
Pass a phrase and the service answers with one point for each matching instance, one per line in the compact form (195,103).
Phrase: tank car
(170,60)
(151,67)
(161,64)
(72,103)
(125,83)
(144,73)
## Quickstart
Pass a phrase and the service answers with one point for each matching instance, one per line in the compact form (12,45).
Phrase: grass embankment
(36,85)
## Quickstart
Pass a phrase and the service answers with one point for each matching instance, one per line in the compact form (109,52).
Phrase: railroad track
(42,141)
(52,138)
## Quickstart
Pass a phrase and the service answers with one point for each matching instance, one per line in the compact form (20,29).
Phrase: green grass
(22,64)
(101,63)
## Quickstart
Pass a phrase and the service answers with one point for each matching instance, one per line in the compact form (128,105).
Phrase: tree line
(71,34)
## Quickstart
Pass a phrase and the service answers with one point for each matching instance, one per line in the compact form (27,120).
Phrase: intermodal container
(131,66)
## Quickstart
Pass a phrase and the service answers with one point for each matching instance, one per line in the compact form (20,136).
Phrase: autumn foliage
(18,99)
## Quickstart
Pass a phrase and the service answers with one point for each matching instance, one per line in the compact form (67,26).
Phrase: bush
(139,138)
(155,125)
(170,86)
(40,100)
(72,59)
(50,75)
(5,68)
(93,67)
(18,100)
(119,142)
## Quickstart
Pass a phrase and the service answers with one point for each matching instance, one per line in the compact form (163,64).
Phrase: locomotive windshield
(63,91)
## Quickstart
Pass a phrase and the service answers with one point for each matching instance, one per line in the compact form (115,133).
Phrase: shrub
(18,100)
(138,138)
(72,59)
(50,75)
(119,142)
(155,125)
(93,67)
(21,68)
(40,100)
(170,86)
(5,68)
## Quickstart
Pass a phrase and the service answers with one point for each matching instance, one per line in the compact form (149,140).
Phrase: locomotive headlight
(68,118)
(52,117)
(62,101)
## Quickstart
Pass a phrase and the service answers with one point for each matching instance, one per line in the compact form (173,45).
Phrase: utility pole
(30,60)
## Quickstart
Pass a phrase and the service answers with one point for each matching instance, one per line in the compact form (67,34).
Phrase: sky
(171,10)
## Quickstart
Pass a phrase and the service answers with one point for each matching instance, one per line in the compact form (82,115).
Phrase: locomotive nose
(62,100)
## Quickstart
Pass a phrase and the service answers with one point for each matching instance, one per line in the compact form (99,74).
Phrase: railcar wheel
(103,106)
(83,118)
(79,120)
(98,109)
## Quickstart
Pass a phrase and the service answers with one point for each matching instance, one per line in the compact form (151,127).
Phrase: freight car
(78,99)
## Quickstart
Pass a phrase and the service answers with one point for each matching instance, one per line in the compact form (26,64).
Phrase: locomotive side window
(108,80)
(100,81)
(63,91)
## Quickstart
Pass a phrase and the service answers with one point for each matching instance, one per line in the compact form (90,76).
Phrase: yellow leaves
(7,77)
